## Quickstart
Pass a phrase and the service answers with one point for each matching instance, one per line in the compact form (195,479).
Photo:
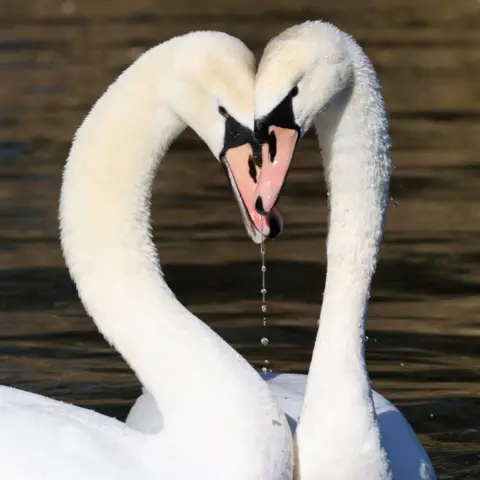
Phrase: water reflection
(423,321)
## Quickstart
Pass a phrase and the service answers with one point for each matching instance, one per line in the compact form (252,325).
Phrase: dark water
(57,57)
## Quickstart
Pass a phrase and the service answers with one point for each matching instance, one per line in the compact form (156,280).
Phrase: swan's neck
(338,421)
(201,385)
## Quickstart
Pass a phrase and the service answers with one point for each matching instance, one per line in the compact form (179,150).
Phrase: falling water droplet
(264,341)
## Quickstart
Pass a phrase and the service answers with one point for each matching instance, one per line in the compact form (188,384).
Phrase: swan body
(405,450)
(220,420)
(315,74)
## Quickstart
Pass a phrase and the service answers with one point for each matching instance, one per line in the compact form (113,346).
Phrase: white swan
(315,73)
(220,419)
(351,436)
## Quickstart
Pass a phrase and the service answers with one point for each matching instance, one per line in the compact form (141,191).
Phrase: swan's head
(300,73)
(213,92)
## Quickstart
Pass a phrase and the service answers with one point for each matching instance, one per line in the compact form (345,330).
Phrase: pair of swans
(219,419)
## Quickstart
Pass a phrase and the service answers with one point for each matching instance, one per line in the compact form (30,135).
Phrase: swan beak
(243,175)
(277,155)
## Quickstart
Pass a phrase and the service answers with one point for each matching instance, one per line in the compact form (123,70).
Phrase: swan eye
(294,91)
(223,112)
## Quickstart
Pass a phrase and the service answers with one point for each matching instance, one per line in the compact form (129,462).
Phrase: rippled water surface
(57,57)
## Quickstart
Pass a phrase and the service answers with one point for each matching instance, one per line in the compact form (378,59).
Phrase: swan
(314,73)
(220,420)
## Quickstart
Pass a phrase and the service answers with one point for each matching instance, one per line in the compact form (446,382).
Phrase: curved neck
(198,381)
(338,411)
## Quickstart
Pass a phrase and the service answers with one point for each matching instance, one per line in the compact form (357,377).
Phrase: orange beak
(243,175)
(277,155)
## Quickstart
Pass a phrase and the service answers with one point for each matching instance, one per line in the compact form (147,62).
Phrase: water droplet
(395,204)
(431,415)
(401,364)
(264,341)
(367,338)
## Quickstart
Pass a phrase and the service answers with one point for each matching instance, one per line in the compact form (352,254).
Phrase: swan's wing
(41,438)
(408,458)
